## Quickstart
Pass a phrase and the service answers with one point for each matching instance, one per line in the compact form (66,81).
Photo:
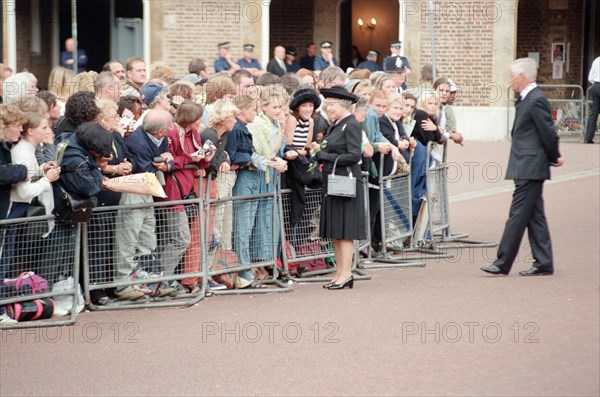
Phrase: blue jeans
(244,216)
(8,234)
(418,177)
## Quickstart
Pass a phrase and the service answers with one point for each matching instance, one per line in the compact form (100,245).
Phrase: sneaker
(163,290)
(215,286)
(129,294)
(241,283)
(6,320)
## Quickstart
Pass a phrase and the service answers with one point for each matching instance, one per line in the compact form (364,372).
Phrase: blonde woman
(61,83)
(386,84)
(254,219)
(220,121)
(37,185)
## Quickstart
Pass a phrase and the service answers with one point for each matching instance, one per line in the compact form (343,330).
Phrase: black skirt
(343,218)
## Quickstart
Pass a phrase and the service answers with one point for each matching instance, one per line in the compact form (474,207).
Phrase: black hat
(396,44)
(339,93)
(305,95)
(249,47)
(326,44)
(395,65)
(291,51)
(225,44)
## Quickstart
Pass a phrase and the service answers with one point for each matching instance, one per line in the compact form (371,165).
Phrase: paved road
(445,329)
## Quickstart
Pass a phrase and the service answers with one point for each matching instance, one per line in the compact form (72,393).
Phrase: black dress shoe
(493,269)
(536,271)
(348,283)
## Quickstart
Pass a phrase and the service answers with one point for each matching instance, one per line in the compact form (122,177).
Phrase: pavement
(445,329)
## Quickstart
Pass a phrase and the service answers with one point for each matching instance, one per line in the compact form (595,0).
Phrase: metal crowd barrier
(438,209)
(302,243)
(395,221)
(25,246)
(568,113)
(115,259)
(250,218)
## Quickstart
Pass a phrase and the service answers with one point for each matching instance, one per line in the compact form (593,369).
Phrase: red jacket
(191,144)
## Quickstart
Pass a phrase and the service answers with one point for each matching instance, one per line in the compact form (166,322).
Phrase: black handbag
(35,228)
(70,209)
(339,185)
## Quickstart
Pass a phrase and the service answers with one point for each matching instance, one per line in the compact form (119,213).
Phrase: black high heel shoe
(348,283)
(329,284)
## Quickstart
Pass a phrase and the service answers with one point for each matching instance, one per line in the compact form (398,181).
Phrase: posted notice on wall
(557,70)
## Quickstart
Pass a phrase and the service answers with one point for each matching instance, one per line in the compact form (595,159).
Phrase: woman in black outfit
(339,220)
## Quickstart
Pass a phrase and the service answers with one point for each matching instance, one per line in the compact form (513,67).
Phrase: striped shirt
(301,133)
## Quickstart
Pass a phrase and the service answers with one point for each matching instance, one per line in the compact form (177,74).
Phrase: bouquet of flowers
(313,153)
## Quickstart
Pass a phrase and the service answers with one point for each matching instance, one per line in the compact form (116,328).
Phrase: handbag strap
(335,165)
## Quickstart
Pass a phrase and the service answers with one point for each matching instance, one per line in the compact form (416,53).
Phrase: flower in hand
(316,147)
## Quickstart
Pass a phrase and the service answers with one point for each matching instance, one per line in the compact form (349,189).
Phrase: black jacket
(79,175)
(534,140)
(420,134)
(273,67)
(9,175)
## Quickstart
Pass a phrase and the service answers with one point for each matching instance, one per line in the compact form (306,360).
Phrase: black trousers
(593,119)
(526,212)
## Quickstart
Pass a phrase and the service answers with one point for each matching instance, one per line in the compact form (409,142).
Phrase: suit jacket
(534,139)
(273,67)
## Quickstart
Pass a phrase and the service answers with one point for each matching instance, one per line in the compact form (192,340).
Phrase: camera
(158,159)
(170,98)
(125,120)
(207,148)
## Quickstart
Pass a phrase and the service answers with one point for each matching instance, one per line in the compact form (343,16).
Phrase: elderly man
(277,64)
(533,150)
(135,233)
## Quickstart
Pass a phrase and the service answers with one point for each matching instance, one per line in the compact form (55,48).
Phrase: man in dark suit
(277,64)
(534,149)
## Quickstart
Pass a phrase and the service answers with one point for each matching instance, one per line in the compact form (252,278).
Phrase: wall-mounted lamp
(371,25)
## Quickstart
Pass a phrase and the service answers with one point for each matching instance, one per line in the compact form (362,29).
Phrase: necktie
(518,100)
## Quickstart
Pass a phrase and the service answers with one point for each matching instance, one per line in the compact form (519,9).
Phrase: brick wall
(38,64)
(464,49)
(536,34)
(291,24)
(193,29)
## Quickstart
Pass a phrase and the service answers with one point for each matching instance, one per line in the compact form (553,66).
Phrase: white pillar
(10,16)
(265,30)
(146,22)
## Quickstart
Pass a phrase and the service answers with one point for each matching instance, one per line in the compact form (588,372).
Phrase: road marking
(509,188)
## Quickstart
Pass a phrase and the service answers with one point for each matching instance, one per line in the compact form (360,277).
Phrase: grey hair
(346,104)
(102,80)
(154,125)
(527,66)
(14,88)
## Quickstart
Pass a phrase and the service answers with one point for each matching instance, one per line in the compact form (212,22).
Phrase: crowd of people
(241,127)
